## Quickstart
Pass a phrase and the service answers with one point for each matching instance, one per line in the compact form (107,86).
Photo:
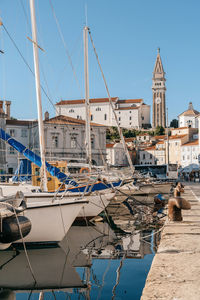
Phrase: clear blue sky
(126,34)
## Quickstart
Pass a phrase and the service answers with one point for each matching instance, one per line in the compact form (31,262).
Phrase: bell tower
(158,88)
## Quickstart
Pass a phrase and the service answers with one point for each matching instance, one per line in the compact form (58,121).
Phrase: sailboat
(58,211)
(50,216)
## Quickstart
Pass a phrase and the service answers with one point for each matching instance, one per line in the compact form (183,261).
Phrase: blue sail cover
(23,172)
(36,159)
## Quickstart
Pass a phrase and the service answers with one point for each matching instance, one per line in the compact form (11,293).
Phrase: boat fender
(10,231)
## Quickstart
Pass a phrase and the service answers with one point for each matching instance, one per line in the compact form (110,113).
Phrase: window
(71,110)
(150,156)
(105,117)
(73,142)
(10,170)
(11,150)
(55,141)
(12,132)
(142,118)
(129,118)
(119,119)
(24,133)
(91,118)
(143,156)
(130,111)
(92,142)
(98,109)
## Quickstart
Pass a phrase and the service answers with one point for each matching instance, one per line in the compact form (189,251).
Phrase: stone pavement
(175,271)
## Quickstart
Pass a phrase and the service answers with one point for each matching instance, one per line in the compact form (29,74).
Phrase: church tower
(158,88)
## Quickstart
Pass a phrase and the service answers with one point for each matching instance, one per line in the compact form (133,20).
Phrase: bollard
(176,204)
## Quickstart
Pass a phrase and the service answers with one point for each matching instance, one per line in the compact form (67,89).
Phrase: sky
(126,35)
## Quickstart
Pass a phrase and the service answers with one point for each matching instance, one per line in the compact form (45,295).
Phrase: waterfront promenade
(175,271)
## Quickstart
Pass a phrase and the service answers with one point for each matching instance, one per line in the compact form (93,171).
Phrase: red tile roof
(130,101)
(176,137)
(21,122)
(192,143)
(68,120)
(160,137)
(81,101)
(179,128)
(110,145)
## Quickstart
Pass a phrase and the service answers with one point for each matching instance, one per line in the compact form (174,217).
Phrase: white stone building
(131,113)
(189,155)
(116,155)
(153,155)
(188,117)
(64,140)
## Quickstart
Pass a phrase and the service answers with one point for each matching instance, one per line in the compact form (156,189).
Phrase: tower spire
(158,88)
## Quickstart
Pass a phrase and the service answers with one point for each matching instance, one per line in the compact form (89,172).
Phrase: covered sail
(35,158)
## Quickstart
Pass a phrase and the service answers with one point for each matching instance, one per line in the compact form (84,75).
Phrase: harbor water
(106,258)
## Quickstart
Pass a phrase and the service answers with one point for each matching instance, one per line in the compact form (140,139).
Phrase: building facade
(189,117)
(64,140)
(159,89)
(131,113)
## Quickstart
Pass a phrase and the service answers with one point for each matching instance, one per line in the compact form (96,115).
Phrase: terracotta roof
(160,142)
(110,145)
(21,122)
(179,128)
(130,101)
(68,120)
(193,143)
(81,101)
(160,137)
(190,112)
(176,137)
(151,148)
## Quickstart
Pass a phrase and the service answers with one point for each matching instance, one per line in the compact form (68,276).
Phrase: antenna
(86,18)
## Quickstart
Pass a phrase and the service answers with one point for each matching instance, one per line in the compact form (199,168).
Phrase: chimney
(1,107)
(7,109)
(46,116)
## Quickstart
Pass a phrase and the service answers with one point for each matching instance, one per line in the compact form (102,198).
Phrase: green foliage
(159,130)
(174,123)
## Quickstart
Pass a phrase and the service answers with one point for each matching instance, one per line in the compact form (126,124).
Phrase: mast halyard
(43,174)
(113,110)
(87,101)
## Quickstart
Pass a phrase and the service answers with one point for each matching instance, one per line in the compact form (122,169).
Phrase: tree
(159,130)
(174,123)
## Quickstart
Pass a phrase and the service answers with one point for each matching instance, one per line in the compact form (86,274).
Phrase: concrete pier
(175,271)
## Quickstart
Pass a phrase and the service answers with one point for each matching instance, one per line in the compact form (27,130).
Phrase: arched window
(98,109)
(71,110)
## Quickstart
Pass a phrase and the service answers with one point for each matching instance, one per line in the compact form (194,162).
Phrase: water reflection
(88,264)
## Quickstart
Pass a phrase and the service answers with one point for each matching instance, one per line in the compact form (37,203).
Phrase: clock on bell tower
(158,88)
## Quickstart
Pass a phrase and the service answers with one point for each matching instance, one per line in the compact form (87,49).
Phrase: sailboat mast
(87,101)
(38,94)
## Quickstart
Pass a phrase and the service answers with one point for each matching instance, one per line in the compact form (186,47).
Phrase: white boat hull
(96,204)
(51,220)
